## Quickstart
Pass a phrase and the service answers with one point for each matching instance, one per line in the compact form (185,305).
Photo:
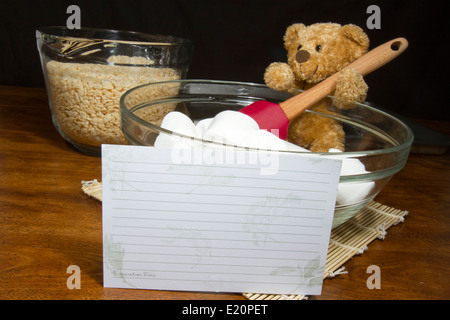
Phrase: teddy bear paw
(279,76)
(350,88)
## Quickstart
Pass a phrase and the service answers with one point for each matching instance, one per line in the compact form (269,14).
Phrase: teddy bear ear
(356,34)
(292,33)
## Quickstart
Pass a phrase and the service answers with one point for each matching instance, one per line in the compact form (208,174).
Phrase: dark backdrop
(236,40)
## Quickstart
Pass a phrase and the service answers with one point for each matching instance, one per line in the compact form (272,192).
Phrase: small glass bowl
(87,70)
(378,140)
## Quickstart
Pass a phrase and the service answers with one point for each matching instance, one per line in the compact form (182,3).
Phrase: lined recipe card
(247,221)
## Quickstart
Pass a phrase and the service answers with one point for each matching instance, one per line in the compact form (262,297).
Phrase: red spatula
(275,117)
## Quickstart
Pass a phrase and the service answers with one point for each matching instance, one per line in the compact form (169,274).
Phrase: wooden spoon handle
(365,64)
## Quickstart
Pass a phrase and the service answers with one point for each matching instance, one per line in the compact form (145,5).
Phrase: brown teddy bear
(314,53)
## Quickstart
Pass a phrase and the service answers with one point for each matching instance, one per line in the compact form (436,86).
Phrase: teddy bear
(314,53)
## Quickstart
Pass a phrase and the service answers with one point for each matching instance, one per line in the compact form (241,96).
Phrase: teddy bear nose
(302,56)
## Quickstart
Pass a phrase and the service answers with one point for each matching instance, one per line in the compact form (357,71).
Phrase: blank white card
(244,221)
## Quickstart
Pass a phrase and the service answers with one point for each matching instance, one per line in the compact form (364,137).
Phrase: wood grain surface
(48,224)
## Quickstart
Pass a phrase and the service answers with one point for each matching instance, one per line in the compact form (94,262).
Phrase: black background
(238,39)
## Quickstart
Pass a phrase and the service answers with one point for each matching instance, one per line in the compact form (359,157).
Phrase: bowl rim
(401,146)
(163,40)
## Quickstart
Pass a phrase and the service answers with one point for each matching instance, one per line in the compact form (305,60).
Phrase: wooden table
(48,224)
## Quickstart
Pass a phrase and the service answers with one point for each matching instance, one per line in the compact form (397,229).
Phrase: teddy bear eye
(318,48)
(299,47)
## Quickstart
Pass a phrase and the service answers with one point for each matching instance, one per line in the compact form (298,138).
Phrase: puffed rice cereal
(85,97)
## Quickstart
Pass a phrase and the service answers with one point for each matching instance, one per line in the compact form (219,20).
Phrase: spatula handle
(367,63)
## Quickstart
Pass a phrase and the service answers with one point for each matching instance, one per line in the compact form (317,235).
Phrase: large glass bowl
(87,70)
(378,140)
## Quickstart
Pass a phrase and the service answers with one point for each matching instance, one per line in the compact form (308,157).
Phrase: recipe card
(216,220)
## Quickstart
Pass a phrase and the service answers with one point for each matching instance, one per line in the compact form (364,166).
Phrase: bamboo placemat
(347,240)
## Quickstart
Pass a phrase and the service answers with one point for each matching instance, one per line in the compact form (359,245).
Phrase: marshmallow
(237,129)
(230,127)
(352,192)
(182,125)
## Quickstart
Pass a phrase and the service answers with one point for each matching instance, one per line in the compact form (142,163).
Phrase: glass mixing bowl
(378,140)
(87,70)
